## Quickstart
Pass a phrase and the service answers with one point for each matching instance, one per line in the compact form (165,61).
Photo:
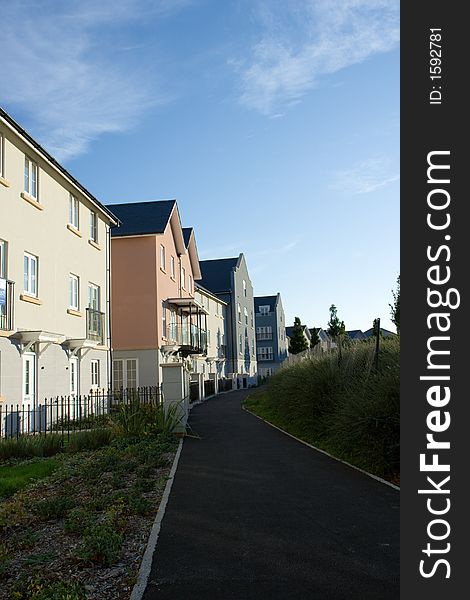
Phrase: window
(93,226)
(125,373)
(74,292)
(244,288)
(239,313)
(246,315)
(73,211)
(183,278)
(3,259)
(264,333)
(265,353)
(164,320)
(240,344)
(2,154)
(30,177)
(172,267)
(94,296)
(252,323)
(253,346)
(162,257)
(95,373)
(172,331)
(190,284)
(30,274)
(264,310)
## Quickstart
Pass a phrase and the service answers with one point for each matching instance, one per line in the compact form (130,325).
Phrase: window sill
(32,201)
(162,270)
(4,182)
(94,244)
(74,230)
(172,278)
(31,299)
(75,313)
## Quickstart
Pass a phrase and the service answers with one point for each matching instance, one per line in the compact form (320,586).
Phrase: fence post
(377,344)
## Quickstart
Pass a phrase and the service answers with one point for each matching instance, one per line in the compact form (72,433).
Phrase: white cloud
(364,177)
(64,72)
(302,43)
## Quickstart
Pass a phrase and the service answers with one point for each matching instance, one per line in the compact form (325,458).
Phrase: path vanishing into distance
(255,514)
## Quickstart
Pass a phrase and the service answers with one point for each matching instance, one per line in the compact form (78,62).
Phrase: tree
(395,307)
(335,326)
(376,328)
(315,338)
(298,341)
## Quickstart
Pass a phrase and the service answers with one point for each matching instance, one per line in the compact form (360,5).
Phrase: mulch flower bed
(81,533)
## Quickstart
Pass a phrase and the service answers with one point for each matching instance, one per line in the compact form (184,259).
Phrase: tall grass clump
(348,405)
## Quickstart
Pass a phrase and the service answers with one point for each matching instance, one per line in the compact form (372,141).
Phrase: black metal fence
(66,414)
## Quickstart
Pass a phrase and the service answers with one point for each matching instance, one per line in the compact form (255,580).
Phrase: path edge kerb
(392,485)
(147,559)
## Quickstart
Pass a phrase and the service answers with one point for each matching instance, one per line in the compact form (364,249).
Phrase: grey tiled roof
(187,234)
(265,301)
(139,218)
(216,273)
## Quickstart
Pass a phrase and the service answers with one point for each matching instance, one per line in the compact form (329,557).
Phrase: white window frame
(239,309)
(164,322)
(125,371)
(162,258)
(74,211)
(95,373)
(183,278)
(245,312)
(264,310)
(94,287)
(172,267)
(74,291)
(2,155)
(31,176)
(240,344)
(3,259)
(30,281)
(93,226)
(244,288)
(190,284)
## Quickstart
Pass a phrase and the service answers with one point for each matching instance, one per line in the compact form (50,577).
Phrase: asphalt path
(255,514)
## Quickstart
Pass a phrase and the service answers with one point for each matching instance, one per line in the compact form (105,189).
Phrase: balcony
(6,304)
(94,325)
(265,357)
(264,336)
(190,338)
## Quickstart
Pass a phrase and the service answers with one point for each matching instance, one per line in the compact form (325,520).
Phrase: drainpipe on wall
(108,306)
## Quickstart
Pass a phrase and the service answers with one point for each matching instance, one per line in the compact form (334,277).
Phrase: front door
(74,388)
(29,378)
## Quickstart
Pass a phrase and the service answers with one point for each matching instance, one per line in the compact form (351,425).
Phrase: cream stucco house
(54,276)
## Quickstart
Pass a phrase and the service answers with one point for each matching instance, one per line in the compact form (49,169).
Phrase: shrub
(89,440)
(53,508)
(29,446)
(77,520)
(349,407)
(101,544)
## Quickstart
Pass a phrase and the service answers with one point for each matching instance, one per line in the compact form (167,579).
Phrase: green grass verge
(15,478)
(348,407)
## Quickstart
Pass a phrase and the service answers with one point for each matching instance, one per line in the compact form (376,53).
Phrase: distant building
(271,339)
(326,342)
(385,332)
(356,335)
(228,279)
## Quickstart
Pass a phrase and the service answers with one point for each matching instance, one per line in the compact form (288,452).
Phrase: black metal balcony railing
(192,339)
(264,336)
(95,325)
(6,307)
(263,357)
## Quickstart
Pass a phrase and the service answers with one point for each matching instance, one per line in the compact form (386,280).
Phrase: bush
(89,440)
(101,544)
(347,406)
(53,508)
(29,446)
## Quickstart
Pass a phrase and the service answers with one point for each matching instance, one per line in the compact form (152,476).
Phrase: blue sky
(275,124)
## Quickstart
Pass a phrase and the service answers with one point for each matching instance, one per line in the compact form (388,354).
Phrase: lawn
(17,477)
